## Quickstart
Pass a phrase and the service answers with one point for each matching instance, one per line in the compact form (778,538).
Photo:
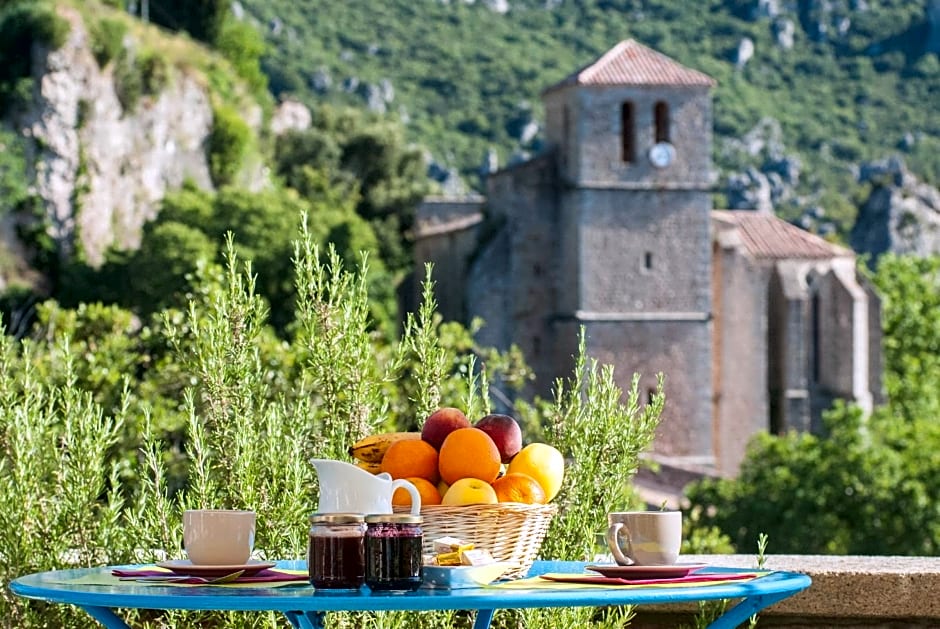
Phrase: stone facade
(755,324)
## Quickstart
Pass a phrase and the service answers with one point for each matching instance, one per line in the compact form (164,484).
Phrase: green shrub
(243,46)
(228,143)
(128,84)
(107,40)
(154,73)
(96,399)
(23,24)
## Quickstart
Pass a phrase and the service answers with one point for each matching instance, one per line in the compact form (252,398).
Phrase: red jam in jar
(393,551)
(336,555)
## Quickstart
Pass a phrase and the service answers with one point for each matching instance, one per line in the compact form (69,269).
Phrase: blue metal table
(306,608)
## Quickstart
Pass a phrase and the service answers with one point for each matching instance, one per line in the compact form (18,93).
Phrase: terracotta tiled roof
(632,63)
(768,237)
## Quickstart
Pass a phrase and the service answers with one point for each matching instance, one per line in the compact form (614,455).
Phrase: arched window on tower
(661,119)
(628,132)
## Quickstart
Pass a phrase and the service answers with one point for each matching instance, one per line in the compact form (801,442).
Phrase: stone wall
(514,278)
(649,347)
(849,592)
(741,349)
(446,235)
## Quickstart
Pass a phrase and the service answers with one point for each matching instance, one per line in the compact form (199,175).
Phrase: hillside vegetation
(847,81)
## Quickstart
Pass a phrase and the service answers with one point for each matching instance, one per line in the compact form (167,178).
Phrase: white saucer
(185,566)
(671,571)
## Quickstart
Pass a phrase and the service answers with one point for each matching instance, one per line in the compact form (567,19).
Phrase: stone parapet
(847,592)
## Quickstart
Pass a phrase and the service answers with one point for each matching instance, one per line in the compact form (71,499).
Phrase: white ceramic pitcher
(345,488)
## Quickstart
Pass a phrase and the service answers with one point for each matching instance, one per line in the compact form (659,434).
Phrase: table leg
(483,618)
(745,609)
(105,616)
(305,620)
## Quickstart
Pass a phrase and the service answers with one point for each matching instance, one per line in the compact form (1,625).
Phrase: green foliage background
(466,77)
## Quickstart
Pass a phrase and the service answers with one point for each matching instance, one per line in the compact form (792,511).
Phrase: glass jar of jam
(336,554)
(393,551)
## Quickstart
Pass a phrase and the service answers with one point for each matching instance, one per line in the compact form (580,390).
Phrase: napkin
(568,580)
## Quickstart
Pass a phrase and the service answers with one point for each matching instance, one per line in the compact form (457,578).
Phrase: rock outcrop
(99,168)
(901,214)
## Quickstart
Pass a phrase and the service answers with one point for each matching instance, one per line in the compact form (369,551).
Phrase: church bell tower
(632,138)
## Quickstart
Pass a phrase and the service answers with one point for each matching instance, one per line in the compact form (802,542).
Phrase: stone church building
(756,324)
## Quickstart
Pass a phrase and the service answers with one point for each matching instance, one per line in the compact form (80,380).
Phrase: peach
(441,423)
(505,433)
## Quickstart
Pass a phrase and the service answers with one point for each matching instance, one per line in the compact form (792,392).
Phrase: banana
(371,449)
(372,468)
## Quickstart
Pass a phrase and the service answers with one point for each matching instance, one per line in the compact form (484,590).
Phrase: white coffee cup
(218,537)
(645,538)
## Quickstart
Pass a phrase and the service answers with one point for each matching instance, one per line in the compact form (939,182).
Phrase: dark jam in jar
(336,555)
(393,552)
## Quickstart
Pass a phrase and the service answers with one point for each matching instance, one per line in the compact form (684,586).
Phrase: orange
(543,463)
(517,487)
(469,453)
(426,489)
(411,457)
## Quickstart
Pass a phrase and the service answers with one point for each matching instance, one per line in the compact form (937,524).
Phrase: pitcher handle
(412,491)
(614,544)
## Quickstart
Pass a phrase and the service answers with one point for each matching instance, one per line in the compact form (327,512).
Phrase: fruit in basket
(505,433)
(372,468)
(543,463)
(441,423)
(517,487)
(468,453)
(426,489)
(372,449)
(409,458)
(469,491)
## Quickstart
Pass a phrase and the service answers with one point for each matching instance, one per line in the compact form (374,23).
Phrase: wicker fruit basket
(511,531)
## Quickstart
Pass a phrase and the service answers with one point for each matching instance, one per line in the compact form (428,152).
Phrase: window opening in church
(537,270)
(566,134)
(648,261)
(628,132)
(661,117)
(536,345)
(814,305)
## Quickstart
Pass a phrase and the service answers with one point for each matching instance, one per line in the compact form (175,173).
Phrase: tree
(369,157)
(202,19)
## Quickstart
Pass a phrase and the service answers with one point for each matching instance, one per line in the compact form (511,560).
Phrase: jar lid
(337,518)
(394,518)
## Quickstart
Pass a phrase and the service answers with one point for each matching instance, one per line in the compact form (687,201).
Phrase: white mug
(218,537)
(645,538)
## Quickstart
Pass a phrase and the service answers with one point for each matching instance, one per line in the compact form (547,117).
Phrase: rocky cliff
(101,166)
(901,214)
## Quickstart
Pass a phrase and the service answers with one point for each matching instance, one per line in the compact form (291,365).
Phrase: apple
(441,423)
(470,491)
(505,433)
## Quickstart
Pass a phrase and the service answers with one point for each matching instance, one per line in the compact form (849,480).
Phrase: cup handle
(614,544)
(412,491)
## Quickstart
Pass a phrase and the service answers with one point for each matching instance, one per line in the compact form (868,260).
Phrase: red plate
(185,566)
(673,571)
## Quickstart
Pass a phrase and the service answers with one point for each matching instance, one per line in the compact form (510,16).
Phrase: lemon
(543,463)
